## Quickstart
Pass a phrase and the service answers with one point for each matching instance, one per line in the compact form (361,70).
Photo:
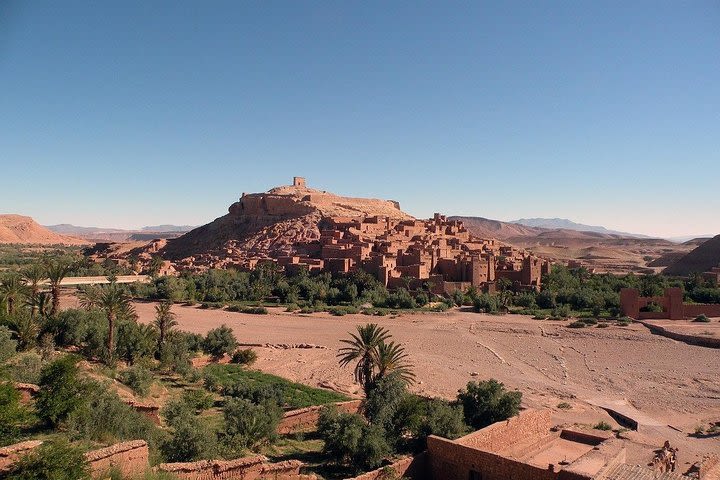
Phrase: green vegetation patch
(296,395)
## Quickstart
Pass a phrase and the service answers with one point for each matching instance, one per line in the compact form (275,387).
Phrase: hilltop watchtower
(299,182)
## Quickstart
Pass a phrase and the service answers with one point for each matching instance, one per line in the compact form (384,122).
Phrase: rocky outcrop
(702,259)
(25,230)
(283,221)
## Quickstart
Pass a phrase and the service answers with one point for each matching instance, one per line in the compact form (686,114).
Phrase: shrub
(198,399)
(350,440)
(102,416)
(603,325)
(219,341)
(255,310)
(248,425)
(8,346)
(61,392)
(135,341)
(138,379)
(175,353)
(486,303)
(191,438)
(603,425)
(488,402)
(576,324)
(12,414)
(24,367)
(526,300)
(546,299)
(564,406)
(51,460)
(561,311)
(244,357)
(257,393)
(442,419)
(702,318)
(589,321)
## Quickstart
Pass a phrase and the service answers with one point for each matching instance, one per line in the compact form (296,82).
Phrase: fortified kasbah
(300,228)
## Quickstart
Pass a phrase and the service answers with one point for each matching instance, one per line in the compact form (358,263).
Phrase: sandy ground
(668,386)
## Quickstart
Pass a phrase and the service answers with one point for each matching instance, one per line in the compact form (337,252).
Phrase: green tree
(33,277)
(114,301)
(220,341)
(362,349)
(12,291)
(249,425)
(61,392)
(12,414)
(487,402)
(164,322)
(56,271)
(390,358)
(8,346)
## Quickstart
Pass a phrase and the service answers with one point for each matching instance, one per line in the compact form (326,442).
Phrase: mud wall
(305,419)
(128,458)
(500,436)
(248,468)
(453,461)
(415,468)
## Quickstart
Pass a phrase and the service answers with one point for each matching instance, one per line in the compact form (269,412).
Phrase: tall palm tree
(56,271)
(26,330)
(362,347)
(115,302)
(89,296)
(33,277)
(39,304)
(164,321)
(391,358)
(12,290)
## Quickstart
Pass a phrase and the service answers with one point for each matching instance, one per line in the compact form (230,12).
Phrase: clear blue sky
(142,112)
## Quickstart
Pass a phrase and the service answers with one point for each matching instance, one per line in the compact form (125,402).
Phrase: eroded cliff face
(282,221)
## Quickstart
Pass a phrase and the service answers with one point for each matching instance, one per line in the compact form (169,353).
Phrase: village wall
(529,424)
(305,419)
(131,459)
(453,461)
(414,468)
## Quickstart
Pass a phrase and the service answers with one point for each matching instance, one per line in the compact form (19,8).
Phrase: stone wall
(415,468)
(453,461)
(247,468)
(129,458)
(305,419)
(529,424)
(699,340)
(11,453)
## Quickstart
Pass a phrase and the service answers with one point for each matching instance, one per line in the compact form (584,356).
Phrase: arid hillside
(260,225)
(25,230)
(604,252)
(701,259)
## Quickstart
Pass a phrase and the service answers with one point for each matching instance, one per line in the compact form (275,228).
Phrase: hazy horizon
(135,114)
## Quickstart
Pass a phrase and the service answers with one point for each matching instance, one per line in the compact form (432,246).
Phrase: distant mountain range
(565,224)
(118,234)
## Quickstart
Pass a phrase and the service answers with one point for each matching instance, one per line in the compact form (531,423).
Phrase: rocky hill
(699,260)
(487,228)
(277,222)
(22,229)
